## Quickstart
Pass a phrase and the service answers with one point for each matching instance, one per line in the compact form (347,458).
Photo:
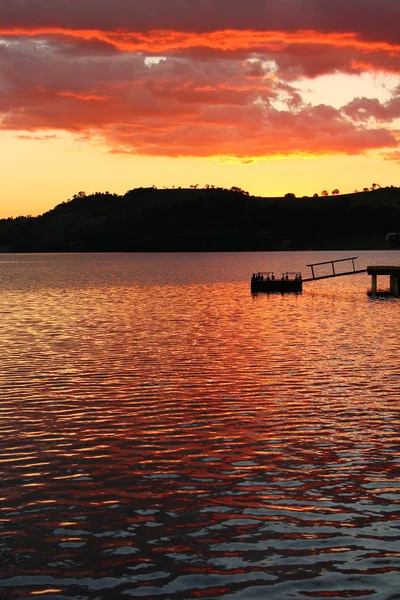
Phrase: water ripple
(190,441)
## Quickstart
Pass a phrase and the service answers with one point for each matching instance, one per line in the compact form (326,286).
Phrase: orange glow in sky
(112,96)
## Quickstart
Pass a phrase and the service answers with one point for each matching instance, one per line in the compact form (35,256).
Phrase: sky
(272,96)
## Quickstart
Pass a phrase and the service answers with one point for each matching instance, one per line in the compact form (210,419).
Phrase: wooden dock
(292,281)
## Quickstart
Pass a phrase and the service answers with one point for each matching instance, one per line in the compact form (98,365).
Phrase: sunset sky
(273,96)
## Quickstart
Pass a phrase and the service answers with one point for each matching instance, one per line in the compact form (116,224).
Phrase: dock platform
(267,282)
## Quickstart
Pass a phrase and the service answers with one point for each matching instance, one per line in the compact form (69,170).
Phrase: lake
(166,435)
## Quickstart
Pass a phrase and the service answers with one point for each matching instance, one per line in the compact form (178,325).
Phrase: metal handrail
(332,262)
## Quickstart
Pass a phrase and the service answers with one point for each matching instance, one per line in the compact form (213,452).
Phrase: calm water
(165,435)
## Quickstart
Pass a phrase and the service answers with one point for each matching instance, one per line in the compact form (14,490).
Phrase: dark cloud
(364,109)
(371,19)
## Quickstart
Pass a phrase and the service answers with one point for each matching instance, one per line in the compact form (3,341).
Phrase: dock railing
(334,272)
(286,275)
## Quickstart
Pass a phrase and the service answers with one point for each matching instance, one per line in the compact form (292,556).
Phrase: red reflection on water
(199,433)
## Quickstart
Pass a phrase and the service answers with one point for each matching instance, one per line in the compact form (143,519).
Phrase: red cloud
(297,54)
(251,132)
(144,123)
(81,67)
(394,156)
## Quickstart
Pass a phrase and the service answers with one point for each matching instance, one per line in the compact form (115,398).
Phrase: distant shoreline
(208,220)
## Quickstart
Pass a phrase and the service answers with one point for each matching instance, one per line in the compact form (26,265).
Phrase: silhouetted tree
(335,192)
(290,195)
(324,193)
(79,195)
(365,189)
(315,195)
(238,190)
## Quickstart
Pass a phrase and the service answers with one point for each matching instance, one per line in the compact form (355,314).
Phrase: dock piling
(394,275)
(374,282)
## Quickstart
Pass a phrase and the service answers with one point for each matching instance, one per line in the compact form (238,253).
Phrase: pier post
(394,274)
(373,284)
(394,285)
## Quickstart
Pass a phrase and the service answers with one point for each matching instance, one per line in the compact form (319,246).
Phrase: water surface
(166,435)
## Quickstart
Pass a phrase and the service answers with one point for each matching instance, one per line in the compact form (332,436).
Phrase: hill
(213,219)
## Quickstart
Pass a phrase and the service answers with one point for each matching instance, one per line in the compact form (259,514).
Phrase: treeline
(209,219)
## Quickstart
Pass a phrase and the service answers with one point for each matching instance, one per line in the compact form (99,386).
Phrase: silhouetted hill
(214,219)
